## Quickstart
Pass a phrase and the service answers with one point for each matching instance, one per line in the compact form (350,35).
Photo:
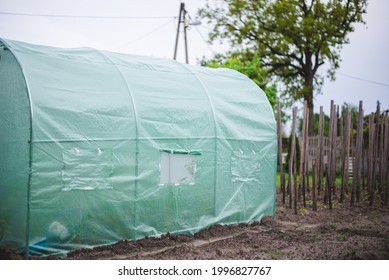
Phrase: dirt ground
(360,232)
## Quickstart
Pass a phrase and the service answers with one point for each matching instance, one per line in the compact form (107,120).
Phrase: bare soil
(358,232)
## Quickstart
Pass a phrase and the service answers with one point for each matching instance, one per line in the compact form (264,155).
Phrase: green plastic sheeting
(97,147)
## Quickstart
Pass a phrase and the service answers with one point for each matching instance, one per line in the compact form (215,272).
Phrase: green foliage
(302,211)
(275,253)
(292,38)
(340,237)
(316,118)
(280,209)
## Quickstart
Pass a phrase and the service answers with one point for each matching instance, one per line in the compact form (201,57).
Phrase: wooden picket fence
(363,168)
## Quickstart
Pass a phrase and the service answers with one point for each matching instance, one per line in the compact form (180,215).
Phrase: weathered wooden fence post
(371,159)
(314,184)
(331,166)
(320,150)
(351,147)
(345,153)
(357,165)
(375,152)
(306,166)
(279,130)
(303,150)
(327,193)
(334,149)
(381,159)
(292,160)
(292,155)
(386,156)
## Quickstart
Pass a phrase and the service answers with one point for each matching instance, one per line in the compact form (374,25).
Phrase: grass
(276,253)
(338,180)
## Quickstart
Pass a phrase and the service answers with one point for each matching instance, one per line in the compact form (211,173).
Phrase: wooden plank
(314,184)
(306,155)
(358,153)
(348,130)
(382,161)
(279,131)
(327,194)
(386,154)
(332,161)
(342,153)
(319,153)
(295,182)
(334,149)
(345,164)
(283,184)
(353,154)
(370,159)
(375,151)
(292,154)
(306,167)
(302,152)
(363,173)
(289,189)
(292,157)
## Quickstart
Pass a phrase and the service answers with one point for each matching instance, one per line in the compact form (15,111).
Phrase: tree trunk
(310,116)
(308,90)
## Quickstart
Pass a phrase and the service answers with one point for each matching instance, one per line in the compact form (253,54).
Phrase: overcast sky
(148,27)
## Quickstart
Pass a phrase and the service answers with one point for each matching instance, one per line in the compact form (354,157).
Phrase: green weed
(276,253)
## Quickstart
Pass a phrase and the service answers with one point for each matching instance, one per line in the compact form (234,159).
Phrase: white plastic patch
(177,169)
(86,169)
(245,166)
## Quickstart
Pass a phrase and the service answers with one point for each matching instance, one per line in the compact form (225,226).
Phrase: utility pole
(182,20)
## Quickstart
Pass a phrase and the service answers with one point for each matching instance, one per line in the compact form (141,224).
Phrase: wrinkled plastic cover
(98,147)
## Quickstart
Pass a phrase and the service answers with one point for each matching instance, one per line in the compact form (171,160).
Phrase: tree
(292,38)
(316,118)
(252,69)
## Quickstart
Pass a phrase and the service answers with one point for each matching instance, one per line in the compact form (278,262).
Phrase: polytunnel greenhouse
(98,147)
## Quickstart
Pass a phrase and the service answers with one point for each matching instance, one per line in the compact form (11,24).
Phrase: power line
(145,35)
(363,80)
(206,27)
(85,16)
(205,41)
(356,78)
